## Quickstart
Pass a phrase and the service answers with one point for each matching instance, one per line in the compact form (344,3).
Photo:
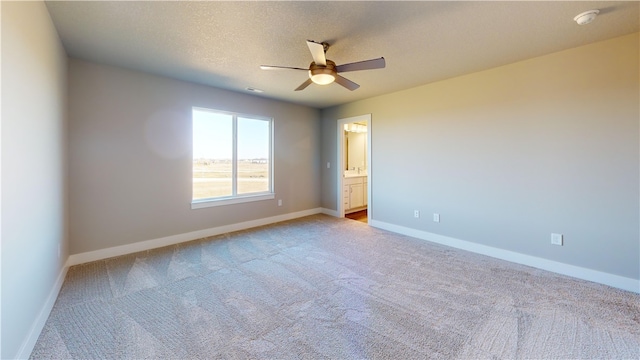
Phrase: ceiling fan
(323,71)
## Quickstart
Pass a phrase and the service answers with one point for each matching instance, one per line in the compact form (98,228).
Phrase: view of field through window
(213,155)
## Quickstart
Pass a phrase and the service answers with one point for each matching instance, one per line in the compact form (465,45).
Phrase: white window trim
(205,203)
(243,198)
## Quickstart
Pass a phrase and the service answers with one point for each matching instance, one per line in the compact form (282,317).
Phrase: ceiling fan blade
(317,52)
(378,63)
(346,82)
(304,85)
(270,67)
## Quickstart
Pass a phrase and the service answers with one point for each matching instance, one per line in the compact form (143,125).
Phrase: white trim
(369,170)
(616,281)
(89,256)
(205,203)
(41,320)
(330,212)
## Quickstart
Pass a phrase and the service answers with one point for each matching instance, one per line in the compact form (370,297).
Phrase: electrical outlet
(556,239)
(279,202)
(436,217)
(328,165)
(416,213)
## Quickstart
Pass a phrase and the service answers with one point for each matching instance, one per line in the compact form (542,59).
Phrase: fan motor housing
(330,68)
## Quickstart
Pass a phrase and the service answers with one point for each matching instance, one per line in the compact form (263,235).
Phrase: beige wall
(509,155)
(130,157)
(33,143)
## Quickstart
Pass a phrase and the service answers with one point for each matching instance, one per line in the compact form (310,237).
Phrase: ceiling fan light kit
(323,71)
(323,75)
(586,17)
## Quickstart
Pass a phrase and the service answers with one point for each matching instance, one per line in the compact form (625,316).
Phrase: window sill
(205,203)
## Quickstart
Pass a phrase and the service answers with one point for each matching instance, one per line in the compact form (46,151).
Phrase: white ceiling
(222,44)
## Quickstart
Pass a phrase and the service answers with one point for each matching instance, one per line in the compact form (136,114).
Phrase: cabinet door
(356,198)
(346,196)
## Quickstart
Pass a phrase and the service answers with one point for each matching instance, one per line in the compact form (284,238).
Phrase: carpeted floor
(321,287)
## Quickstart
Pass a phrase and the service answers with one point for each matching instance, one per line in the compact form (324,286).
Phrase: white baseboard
(330,212)
(41,320)
(89,256)
(616,281)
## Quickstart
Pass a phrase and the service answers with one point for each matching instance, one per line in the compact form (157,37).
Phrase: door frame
(366,118)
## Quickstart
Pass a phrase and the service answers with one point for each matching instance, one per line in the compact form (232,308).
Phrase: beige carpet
(327,288)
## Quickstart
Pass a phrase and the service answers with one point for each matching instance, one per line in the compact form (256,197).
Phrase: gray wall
(509,155)
(33,143)
(130,157)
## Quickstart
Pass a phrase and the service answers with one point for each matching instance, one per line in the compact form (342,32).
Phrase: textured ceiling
(222,44)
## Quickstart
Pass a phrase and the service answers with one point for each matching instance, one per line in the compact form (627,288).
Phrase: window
(232,158)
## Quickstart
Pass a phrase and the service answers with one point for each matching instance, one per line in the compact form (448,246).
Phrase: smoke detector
(586,17)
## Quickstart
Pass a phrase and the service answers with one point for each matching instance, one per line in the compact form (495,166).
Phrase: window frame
(236,198)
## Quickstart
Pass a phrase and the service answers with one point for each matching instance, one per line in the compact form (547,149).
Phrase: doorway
(354,168)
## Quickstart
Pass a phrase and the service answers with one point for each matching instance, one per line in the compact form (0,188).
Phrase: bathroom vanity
(354,192)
